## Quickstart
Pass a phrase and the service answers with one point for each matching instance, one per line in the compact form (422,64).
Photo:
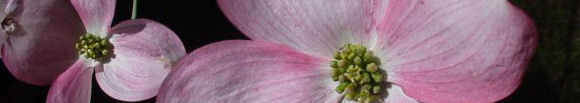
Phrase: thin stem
(134,12)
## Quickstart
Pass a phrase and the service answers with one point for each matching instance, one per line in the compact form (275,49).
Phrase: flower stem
(134,12)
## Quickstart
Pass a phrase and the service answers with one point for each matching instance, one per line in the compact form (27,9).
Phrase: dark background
(553,76)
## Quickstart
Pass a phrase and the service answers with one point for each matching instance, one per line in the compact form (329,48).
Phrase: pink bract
(41,44)
(432,51)
(144,52)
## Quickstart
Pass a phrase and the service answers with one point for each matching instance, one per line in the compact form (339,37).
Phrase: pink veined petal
(97,15)
(248,72)
(144,53)
(456,50)
(317,27)
(41,46)
(73,86)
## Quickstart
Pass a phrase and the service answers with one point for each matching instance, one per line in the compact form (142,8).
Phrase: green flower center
(357,71)
(94,47)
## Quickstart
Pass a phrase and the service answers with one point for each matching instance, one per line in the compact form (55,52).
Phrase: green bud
(351,56)
(376,89)
(371,98)
(372,67)
(365,93)
(377,76)
(349,96)
(105,52)
(357,68)
(104,42)
(357,61)
(366,78)
(342,79)
(90,40)
(351,68)
(340,88)
(334,73)
(346,47)
(343,63)
(350,76)
(344,55)
(336,55)
(341,70)
(366,87)
(96,45)
(77,45)
(357,76)
(362,50)
(351,87)
(368,57)
(334,64)
(353,47)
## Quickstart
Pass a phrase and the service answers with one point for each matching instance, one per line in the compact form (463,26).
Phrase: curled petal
(317,27)
(42,43)
(248,72)
(456,50)
(97,15)
(73,86)
(144,53)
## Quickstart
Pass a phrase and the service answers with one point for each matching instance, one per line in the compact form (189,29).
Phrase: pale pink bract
(432,50)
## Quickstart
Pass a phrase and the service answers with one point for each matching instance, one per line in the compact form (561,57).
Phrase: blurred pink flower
(431,50)
(37,38)
(130,61)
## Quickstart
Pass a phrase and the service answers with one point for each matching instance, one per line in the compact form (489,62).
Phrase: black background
(552,77)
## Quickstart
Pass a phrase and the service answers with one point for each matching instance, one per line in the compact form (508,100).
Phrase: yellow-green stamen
(94,47)
(358,73)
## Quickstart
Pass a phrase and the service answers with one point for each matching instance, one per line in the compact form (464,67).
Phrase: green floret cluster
(93,47)
(356,69)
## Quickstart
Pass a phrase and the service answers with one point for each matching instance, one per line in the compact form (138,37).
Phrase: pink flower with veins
(422,50)
(37,38)
(129,60)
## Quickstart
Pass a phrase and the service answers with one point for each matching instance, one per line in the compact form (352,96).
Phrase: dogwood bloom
(37,38)
(337,51)
(129,60)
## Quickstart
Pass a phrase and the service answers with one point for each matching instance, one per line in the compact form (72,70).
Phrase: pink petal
(249,72)
(97,15)
(317,27)
(144,52)
(42,43)
(73,86)
(456,51)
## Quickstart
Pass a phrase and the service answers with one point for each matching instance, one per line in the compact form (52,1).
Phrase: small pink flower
(37,38)
(430,51)
(129,60)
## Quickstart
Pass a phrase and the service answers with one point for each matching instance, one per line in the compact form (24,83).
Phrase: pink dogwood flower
(37,38)
(129,60)
(394,51)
